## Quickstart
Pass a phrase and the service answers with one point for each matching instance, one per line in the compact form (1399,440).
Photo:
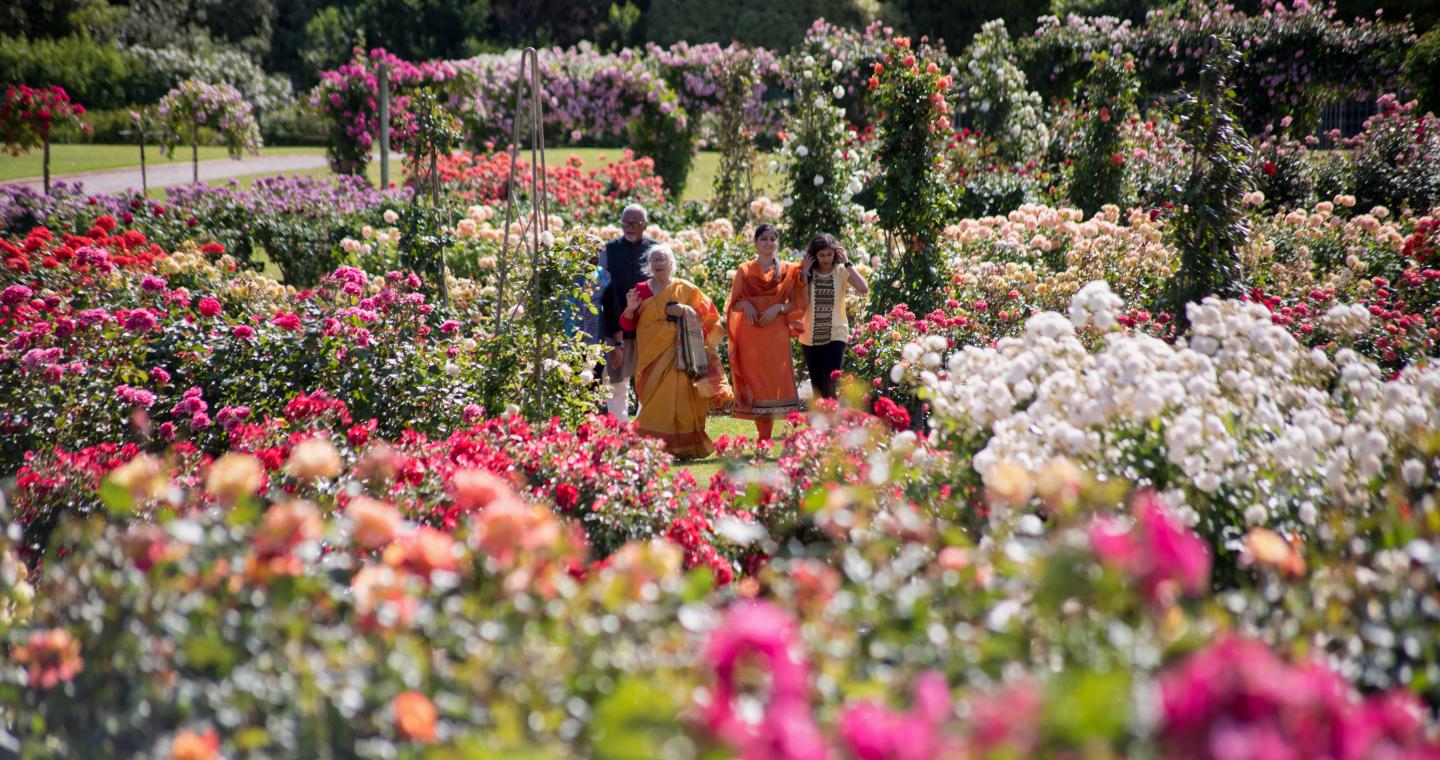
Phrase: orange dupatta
(761,368)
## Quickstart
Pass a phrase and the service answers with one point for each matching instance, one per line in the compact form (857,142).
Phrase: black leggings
(823,361)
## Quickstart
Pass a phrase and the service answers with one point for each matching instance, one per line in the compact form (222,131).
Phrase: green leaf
(633,722)
(1083,706)
(116,498)
(698,584)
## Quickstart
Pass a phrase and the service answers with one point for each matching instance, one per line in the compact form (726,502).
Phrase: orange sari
(673,405)
(761,368)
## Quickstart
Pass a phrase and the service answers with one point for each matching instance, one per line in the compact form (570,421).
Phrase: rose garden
(1136,451)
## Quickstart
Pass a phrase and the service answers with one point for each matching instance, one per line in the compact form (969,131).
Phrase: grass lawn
(65,159)
(716,427)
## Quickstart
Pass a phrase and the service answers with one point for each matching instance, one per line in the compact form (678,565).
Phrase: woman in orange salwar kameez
(766,296)
(669,314)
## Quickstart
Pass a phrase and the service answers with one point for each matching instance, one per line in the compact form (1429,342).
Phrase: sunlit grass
(66,159)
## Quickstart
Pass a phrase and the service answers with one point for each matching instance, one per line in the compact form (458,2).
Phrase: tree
(27,115)
(955,23)
(218,107)
(1210,227)
(548,22)
(763,23)
(419,30)
(330,36)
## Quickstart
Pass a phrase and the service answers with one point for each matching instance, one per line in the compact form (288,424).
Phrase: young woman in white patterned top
(827,331)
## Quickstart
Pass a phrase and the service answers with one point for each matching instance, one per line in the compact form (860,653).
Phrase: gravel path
(179,173)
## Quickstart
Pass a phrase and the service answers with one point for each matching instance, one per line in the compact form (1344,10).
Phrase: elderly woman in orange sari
(678,375)
(767,295)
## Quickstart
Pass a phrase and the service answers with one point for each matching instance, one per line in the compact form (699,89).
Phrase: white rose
(835,66)
(802,151)
(838,92)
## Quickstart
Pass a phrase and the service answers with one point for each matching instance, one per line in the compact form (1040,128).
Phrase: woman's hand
(840,258)
(770,313)
(679,310)
(748,309)
(807,264)
(633,300)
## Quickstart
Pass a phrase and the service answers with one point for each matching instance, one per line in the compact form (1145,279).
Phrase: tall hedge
(97,74)
(763,23)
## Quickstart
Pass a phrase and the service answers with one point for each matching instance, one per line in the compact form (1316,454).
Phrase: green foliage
(955,23)
(778,26)
(1210,226)
(1097,171)
(1284,170)
(1131,10)
(993,193)
(994,99)
(95,74)
(1422,71)
(424,236)
(419,30)
(541,23)
(1293,61)
(819,179)
(910,193)
(666,133)
(1397,157)
(306,247)
(244,25)
(330,36)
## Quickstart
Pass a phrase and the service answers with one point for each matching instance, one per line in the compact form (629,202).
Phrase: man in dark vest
(623,259)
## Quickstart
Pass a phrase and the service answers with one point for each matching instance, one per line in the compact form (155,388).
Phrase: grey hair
(635,207)
(658,250)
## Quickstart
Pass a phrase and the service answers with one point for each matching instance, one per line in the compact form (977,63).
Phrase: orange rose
(414,717)
(234,476)
(313,458)
(423,552)
(474,490)
(53,658)
(287,525)
(1270,549)
(376,523)
(188,745)
(375,585)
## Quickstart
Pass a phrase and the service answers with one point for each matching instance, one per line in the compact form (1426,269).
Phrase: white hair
(658,250)
(635,207)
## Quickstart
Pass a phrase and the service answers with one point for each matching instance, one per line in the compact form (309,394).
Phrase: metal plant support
(535,219)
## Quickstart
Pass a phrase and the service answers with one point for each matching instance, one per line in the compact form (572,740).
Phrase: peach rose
(415,717)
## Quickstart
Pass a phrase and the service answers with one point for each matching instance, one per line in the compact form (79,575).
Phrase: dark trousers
(823,361)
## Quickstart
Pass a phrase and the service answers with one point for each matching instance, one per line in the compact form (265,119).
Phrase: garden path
(179,173)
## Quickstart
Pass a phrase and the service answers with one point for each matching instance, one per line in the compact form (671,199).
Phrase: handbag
(690,354)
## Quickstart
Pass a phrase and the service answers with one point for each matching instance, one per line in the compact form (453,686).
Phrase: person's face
(825,257)
(662,267)
(766,242)
(632,224)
